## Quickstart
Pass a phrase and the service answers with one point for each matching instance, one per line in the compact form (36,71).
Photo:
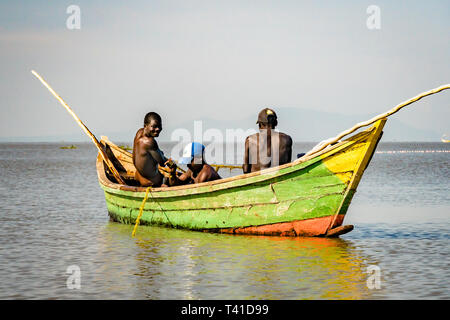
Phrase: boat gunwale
(222,184)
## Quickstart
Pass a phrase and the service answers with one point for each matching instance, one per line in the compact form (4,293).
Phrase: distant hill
(304,125)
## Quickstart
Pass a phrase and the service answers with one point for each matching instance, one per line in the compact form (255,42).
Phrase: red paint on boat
(304,228)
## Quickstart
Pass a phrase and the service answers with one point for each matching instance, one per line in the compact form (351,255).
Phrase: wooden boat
(307,197)
(444,139)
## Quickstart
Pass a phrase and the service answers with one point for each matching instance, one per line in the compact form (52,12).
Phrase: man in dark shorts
(199,171)
(267,148)
(146,153)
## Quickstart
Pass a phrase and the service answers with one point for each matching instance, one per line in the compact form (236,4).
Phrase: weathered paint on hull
(304,198)
(304,228)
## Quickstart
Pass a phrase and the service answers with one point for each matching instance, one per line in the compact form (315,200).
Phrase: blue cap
(191,151)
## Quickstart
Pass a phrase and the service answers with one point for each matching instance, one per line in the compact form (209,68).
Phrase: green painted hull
(318,191)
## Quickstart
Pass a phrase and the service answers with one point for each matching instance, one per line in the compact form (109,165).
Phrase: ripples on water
(53,215)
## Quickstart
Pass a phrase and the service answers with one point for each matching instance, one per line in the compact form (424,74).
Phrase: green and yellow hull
(307,197)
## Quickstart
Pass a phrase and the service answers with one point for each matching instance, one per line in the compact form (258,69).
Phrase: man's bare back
(257,156)
(268,148)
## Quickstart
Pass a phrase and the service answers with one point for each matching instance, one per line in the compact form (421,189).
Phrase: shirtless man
(146,153)
(268,148)
(199,171)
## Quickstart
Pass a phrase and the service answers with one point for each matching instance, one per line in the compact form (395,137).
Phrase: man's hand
(171,164)
(166,172)
(169,170)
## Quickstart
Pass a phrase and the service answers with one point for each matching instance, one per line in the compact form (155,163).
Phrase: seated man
(268,148)
(199,171)
(146,153)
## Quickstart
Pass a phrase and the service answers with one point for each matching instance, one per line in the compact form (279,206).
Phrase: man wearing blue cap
(199,171)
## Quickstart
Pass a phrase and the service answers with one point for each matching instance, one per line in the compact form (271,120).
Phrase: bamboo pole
(322,145)
(85,129)
(219,166)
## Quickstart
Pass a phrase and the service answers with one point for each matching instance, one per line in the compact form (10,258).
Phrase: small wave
(430,231)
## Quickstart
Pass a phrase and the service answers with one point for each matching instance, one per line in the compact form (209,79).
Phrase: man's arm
(182,179)
(207,174)
(156,154)
(246,167)
(163,156)
(289,148)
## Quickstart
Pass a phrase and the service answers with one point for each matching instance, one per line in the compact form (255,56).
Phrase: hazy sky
(218,59)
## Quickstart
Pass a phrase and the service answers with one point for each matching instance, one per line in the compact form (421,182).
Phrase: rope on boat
(219,166)
(141,209)
(322,145)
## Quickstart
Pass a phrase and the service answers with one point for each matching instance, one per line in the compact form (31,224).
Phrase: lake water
(53,216)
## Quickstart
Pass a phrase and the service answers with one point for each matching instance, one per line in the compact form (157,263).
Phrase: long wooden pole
(85,129)
(330,141)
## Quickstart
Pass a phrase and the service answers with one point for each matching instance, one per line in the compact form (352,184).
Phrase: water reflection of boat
(444,139)
(177,264)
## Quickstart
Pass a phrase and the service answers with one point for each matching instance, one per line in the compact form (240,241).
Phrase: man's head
(193,155)
(267,118)
(152,124)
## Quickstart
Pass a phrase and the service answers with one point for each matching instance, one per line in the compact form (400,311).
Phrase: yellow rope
(219,166)
(141,209)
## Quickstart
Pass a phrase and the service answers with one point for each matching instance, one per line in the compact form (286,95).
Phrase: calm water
(53,215)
